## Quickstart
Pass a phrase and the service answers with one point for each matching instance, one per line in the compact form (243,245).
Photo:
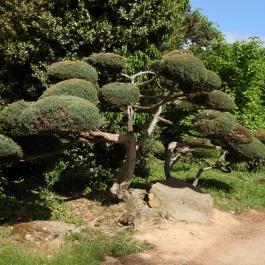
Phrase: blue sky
(238,20)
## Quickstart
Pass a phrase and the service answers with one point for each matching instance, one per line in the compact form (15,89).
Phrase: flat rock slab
(181,201)
(41,230)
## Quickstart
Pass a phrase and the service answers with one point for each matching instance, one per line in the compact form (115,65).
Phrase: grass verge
(236,192)
(89,248)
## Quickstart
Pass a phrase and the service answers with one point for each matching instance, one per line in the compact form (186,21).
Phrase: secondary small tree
(71,109)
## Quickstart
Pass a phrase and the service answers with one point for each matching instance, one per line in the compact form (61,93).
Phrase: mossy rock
(185,69)
(10,117)
(58,114)
(120,94)
(153,147)
(111,62)
(64,70)
(73,87)
(9,150)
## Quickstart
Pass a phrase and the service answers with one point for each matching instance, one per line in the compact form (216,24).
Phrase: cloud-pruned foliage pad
(58,114)
(120,94)
(9,150)
(64,70)
(73,87)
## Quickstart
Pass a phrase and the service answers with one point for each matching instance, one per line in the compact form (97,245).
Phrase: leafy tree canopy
(35,33)
(241,66)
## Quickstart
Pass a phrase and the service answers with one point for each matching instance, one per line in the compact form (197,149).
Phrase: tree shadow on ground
(212,184)
(14,211)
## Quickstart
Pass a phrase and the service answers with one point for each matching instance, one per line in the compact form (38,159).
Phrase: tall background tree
(35,33)
(241,66)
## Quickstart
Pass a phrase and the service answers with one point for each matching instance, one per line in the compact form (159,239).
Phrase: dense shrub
(57,114)
(219,100)
(120,94)
(9,150)
(183,68)
(224,128)
(37,33)
(9,117)
(203,153)
(216,100)
(260,134)
(250,151)
(72,69)
(153,147)
(213,81)
(73,87)
(108,65)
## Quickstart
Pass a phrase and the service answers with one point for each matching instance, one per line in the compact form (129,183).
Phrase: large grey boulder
(181,201)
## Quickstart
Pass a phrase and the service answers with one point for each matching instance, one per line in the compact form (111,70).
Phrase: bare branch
(149,130)
(168,98)
(130,113)
(165,121)
(170,150)
(133,77)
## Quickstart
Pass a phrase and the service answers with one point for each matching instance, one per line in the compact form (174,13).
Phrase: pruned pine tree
(70,110)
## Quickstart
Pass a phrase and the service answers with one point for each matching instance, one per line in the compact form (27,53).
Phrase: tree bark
(125,175)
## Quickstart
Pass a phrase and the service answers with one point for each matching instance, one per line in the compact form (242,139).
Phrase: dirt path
(225,240)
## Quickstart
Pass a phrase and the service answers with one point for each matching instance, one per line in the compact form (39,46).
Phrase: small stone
(29,237)
(153,200)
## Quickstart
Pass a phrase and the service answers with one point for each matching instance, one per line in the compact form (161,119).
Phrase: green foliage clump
(58,114)
(249,151)
(203,153)
(37,33)
(181,105)
(241,66)
(64,70)
(153,147)
(9,150)
(198,141)
(213,81)
(216,100)
(108,65)
(224,128)
(111,64)
(212,114)
(183,68)
(260,134)
(9,117)
(219,100)
(73,87)
(120,94)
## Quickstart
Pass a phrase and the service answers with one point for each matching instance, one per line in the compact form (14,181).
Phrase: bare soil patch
(224,240)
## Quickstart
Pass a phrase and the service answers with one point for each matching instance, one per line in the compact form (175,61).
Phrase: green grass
(88,248)
(236,192)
